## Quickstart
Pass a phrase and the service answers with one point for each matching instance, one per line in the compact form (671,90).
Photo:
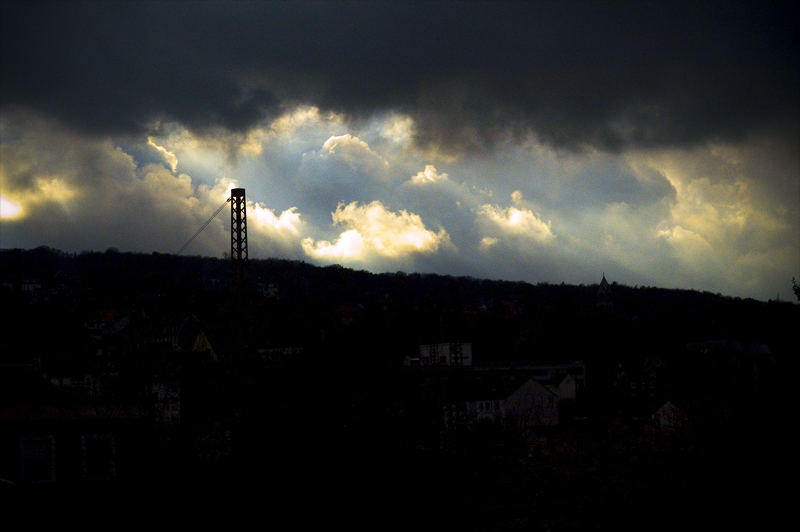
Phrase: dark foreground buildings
(398,400)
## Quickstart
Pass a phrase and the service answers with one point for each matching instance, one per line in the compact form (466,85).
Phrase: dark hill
(295,303)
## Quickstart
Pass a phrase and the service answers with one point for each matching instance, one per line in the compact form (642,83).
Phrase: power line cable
(203,226)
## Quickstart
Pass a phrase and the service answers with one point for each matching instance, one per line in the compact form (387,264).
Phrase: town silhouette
(388,398)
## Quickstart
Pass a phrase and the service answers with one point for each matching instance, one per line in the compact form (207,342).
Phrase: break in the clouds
(74,193)
(537,141)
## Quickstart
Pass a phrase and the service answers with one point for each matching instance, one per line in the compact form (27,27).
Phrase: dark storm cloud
(606,75)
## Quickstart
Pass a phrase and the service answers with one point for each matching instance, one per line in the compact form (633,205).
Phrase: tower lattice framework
(238,226)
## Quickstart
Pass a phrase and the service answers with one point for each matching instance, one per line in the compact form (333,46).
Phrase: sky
(653,142)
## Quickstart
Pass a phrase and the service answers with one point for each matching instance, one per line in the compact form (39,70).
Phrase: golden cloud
(374,230)
(517,221)
(168,155)
(356,153)
(428,175)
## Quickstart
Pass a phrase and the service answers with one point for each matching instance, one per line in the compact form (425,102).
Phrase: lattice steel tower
(238,226)
(238,241)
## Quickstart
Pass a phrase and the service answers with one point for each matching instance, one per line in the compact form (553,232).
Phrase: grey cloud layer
(601,74)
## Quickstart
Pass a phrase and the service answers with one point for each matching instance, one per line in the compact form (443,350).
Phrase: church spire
(605,289)
(604,296)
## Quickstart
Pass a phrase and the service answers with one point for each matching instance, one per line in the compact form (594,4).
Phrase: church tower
(605,299)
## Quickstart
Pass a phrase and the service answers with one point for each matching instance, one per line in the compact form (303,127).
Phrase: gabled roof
(202,345)
(485,386)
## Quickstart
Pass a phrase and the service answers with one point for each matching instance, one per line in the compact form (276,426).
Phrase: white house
(669,419)
(450,354)
(532,405)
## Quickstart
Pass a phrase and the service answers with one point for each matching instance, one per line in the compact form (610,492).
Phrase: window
(37,459)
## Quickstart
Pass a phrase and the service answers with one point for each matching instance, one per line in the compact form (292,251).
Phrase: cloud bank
(609,75)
